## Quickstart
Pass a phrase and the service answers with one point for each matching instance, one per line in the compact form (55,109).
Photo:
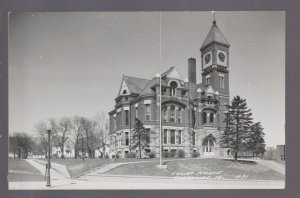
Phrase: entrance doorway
(208,146)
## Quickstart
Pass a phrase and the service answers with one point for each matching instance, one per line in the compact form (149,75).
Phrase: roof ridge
(135,77)
(146,86)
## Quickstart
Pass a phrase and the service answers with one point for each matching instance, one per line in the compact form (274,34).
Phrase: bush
(131,155)
(152,154)
(166,154)
(181,153)
(173,153)
(195,154)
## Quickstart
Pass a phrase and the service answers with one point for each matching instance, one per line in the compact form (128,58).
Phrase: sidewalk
(280,168)
(42,169)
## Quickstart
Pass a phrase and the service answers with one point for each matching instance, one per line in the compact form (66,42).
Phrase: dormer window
(173,86)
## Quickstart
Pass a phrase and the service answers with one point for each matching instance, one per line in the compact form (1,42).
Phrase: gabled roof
(172,73)
(210,90)
(214,35)
(147,90)
(135,85)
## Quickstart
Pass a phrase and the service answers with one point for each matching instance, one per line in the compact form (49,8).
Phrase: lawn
(201,168)
(77,167)
(20,170)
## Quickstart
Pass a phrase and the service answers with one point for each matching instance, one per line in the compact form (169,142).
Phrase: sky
(71,63)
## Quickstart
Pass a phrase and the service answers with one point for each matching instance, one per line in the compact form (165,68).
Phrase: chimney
(192,70)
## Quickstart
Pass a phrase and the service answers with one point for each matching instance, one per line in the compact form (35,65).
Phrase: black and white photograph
(146,100)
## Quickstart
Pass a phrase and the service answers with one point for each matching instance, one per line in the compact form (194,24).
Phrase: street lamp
(48,165)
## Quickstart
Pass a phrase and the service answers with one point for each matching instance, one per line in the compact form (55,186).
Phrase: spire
(214,21)
(215,35)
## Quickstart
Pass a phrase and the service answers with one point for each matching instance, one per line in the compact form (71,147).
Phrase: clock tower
(215,61)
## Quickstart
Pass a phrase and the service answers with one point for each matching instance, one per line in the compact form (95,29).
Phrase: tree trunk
(235,155)
(62,148)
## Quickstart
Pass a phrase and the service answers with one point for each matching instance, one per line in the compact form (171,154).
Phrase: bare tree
(102,126)
(61,132)
(78,133)
(40,128)
(88,127)
(23,144)
(13,147)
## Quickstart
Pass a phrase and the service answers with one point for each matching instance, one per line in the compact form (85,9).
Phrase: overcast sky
(65,64)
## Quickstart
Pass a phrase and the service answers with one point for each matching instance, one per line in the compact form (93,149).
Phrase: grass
(77,167)
(208,168)
(20,170)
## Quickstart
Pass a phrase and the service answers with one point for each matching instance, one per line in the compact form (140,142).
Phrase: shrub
(181,153)
(173,153)
(166,154)
(131,155)
(195,154)
(152,154)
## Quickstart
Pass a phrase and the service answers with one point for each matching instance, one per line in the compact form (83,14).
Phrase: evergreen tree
(238,121)
(139,137)
(256,141)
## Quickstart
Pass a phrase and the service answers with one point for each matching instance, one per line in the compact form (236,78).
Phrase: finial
(214,13)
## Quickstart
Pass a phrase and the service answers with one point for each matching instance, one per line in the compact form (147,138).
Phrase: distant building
(280,152)
(270,153)
(68,152)
(192,113)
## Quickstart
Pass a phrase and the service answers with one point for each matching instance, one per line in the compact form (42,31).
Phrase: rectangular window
(172,136)
(221,82)
(119,119)
(179,137)
(207,80)
(126,117)
(194,138)
(136,112)
(165,136)
(147,111)
(179,115)
(114,123)
(148,136)
(126,138)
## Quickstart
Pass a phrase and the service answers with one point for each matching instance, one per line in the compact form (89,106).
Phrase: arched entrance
(208,145)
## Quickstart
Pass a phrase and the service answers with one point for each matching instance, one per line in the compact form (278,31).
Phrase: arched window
(179,115)
(204,118)
(124,91)
(165,114)
(208,145)
(173,86)
(172,113)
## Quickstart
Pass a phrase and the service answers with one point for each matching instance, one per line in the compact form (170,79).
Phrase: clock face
(207,58)
(221,56)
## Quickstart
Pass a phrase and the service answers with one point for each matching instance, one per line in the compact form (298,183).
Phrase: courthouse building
(192,113)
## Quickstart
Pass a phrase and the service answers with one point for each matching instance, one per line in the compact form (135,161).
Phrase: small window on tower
(221,81)
(207,80)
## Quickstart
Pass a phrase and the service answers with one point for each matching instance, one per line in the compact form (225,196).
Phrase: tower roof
(214,35)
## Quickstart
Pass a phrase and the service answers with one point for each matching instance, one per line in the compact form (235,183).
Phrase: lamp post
(48,165)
